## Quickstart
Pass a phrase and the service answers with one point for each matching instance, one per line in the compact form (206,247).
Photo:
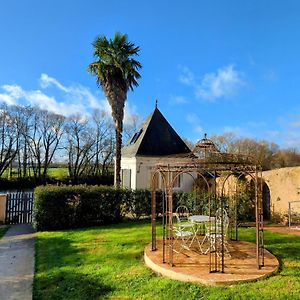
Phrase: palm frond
(114,59)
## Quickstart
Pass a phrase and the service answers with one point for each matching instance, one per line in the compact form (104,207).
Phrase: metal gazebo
(220,173)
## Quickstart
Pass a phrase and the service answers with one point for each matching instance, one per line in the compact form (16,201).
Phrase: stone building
(156,141)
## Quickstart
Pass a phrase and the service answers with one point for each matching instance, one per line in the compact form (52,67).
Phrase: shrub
(197,203)
(75,206)
(137,203)
(245,207)
(61,207)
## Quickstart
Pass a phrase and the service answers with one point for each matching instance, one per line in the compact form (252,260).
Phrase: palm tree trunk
(118,157)
(116,96)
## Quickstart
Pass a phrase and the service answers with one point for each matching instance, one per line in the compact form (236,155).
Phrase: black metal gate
(19,208)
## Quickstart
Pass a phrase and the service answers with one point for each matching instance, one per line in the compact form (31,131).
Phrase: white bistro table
(198,221)
(199,218)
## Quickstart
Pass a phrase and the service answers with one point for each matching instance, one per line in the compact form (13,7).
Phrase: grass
(58,173)
(107,263)
(3,230)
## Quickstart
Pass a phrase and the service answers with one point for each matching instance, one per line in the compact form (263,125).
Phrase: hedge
(62,207)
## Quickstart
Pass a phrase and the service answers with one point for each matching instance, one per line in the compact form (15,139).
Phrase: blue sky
(214,66)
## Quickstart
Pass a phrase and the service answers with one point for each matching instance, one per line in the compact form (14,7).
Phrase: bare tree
(189,143)
(79,143)
(51,131)
(8,138)
(224,141)
(131,126)
(103,148)
(23,115)
(286,158)
(43,136)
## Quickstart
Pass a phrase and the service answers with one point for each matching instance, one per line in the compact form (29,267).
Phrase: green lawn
(3,229)
(107,263)
(58,173)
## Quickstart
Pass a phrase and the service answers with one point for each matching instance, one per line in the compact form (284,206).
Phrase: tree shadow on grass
(70,285)
(59,274)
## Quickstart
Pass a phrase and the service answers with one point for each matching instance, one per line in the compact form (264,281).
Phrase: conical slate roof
(156,137)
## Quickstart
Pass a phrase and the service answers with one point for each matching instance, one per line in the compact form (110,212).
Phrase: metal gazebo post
(259,220)
(153,212)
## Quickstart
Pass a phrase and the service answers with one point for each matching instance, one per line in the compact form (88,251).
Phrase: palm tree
(116,73)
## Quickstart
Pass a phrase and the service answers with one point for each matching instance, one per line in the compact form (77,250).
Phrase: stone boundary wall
(284,186)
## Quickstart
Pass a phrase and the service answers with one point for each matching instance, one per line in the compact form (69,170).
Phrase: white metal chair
(183,231)
(216,232)
(183,213)
(183,235)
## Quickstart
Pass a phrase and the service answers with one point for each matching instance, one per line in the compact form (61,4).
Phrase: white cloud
(46,81)
(174,100)
(292,139)
(238,131)
(7,99)
(225,82)
(75,93)
(270,76)
(296,121)
(130,114)
(76,99)
(14,94)
(14,91)
(285,138)
(272,135)
(194,120)
(46,102)
(187,77)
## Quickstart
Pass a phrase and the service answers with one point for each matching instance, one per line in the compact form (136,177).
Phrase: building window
(135,137)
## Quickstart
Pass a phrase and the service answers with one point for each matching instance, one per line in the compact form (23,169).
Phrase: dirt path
(17,263)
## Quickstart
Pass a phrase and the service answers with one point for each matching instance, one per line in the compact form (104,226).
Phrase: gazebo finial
(156,102)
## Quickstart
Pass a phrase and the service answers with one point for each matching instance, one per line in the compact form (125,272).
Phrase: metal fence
(294,213)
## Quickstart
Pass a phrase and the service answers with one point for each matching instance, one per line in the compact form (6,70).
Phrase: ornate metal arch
(216,164)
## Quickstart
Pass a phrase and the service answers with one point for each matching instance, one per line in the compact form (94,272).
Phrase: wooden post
(2,208)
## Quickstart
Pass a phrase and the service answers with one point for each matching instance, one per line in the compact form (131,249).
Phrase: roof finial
(156,101)
(205,135)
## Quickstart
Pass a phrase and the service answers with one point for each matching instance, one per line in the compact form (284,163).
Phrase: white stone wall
(130,163)
(142,169)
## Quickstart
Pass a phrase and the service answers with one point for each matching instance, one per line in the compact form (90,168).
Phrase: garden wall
(284,186)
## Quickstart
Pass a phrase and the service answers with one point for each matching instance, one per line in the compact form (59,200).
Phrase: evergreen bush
(62,207)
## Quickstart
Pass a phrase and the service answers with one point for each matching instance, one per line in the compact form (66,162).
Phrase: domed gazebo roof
(205,147)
